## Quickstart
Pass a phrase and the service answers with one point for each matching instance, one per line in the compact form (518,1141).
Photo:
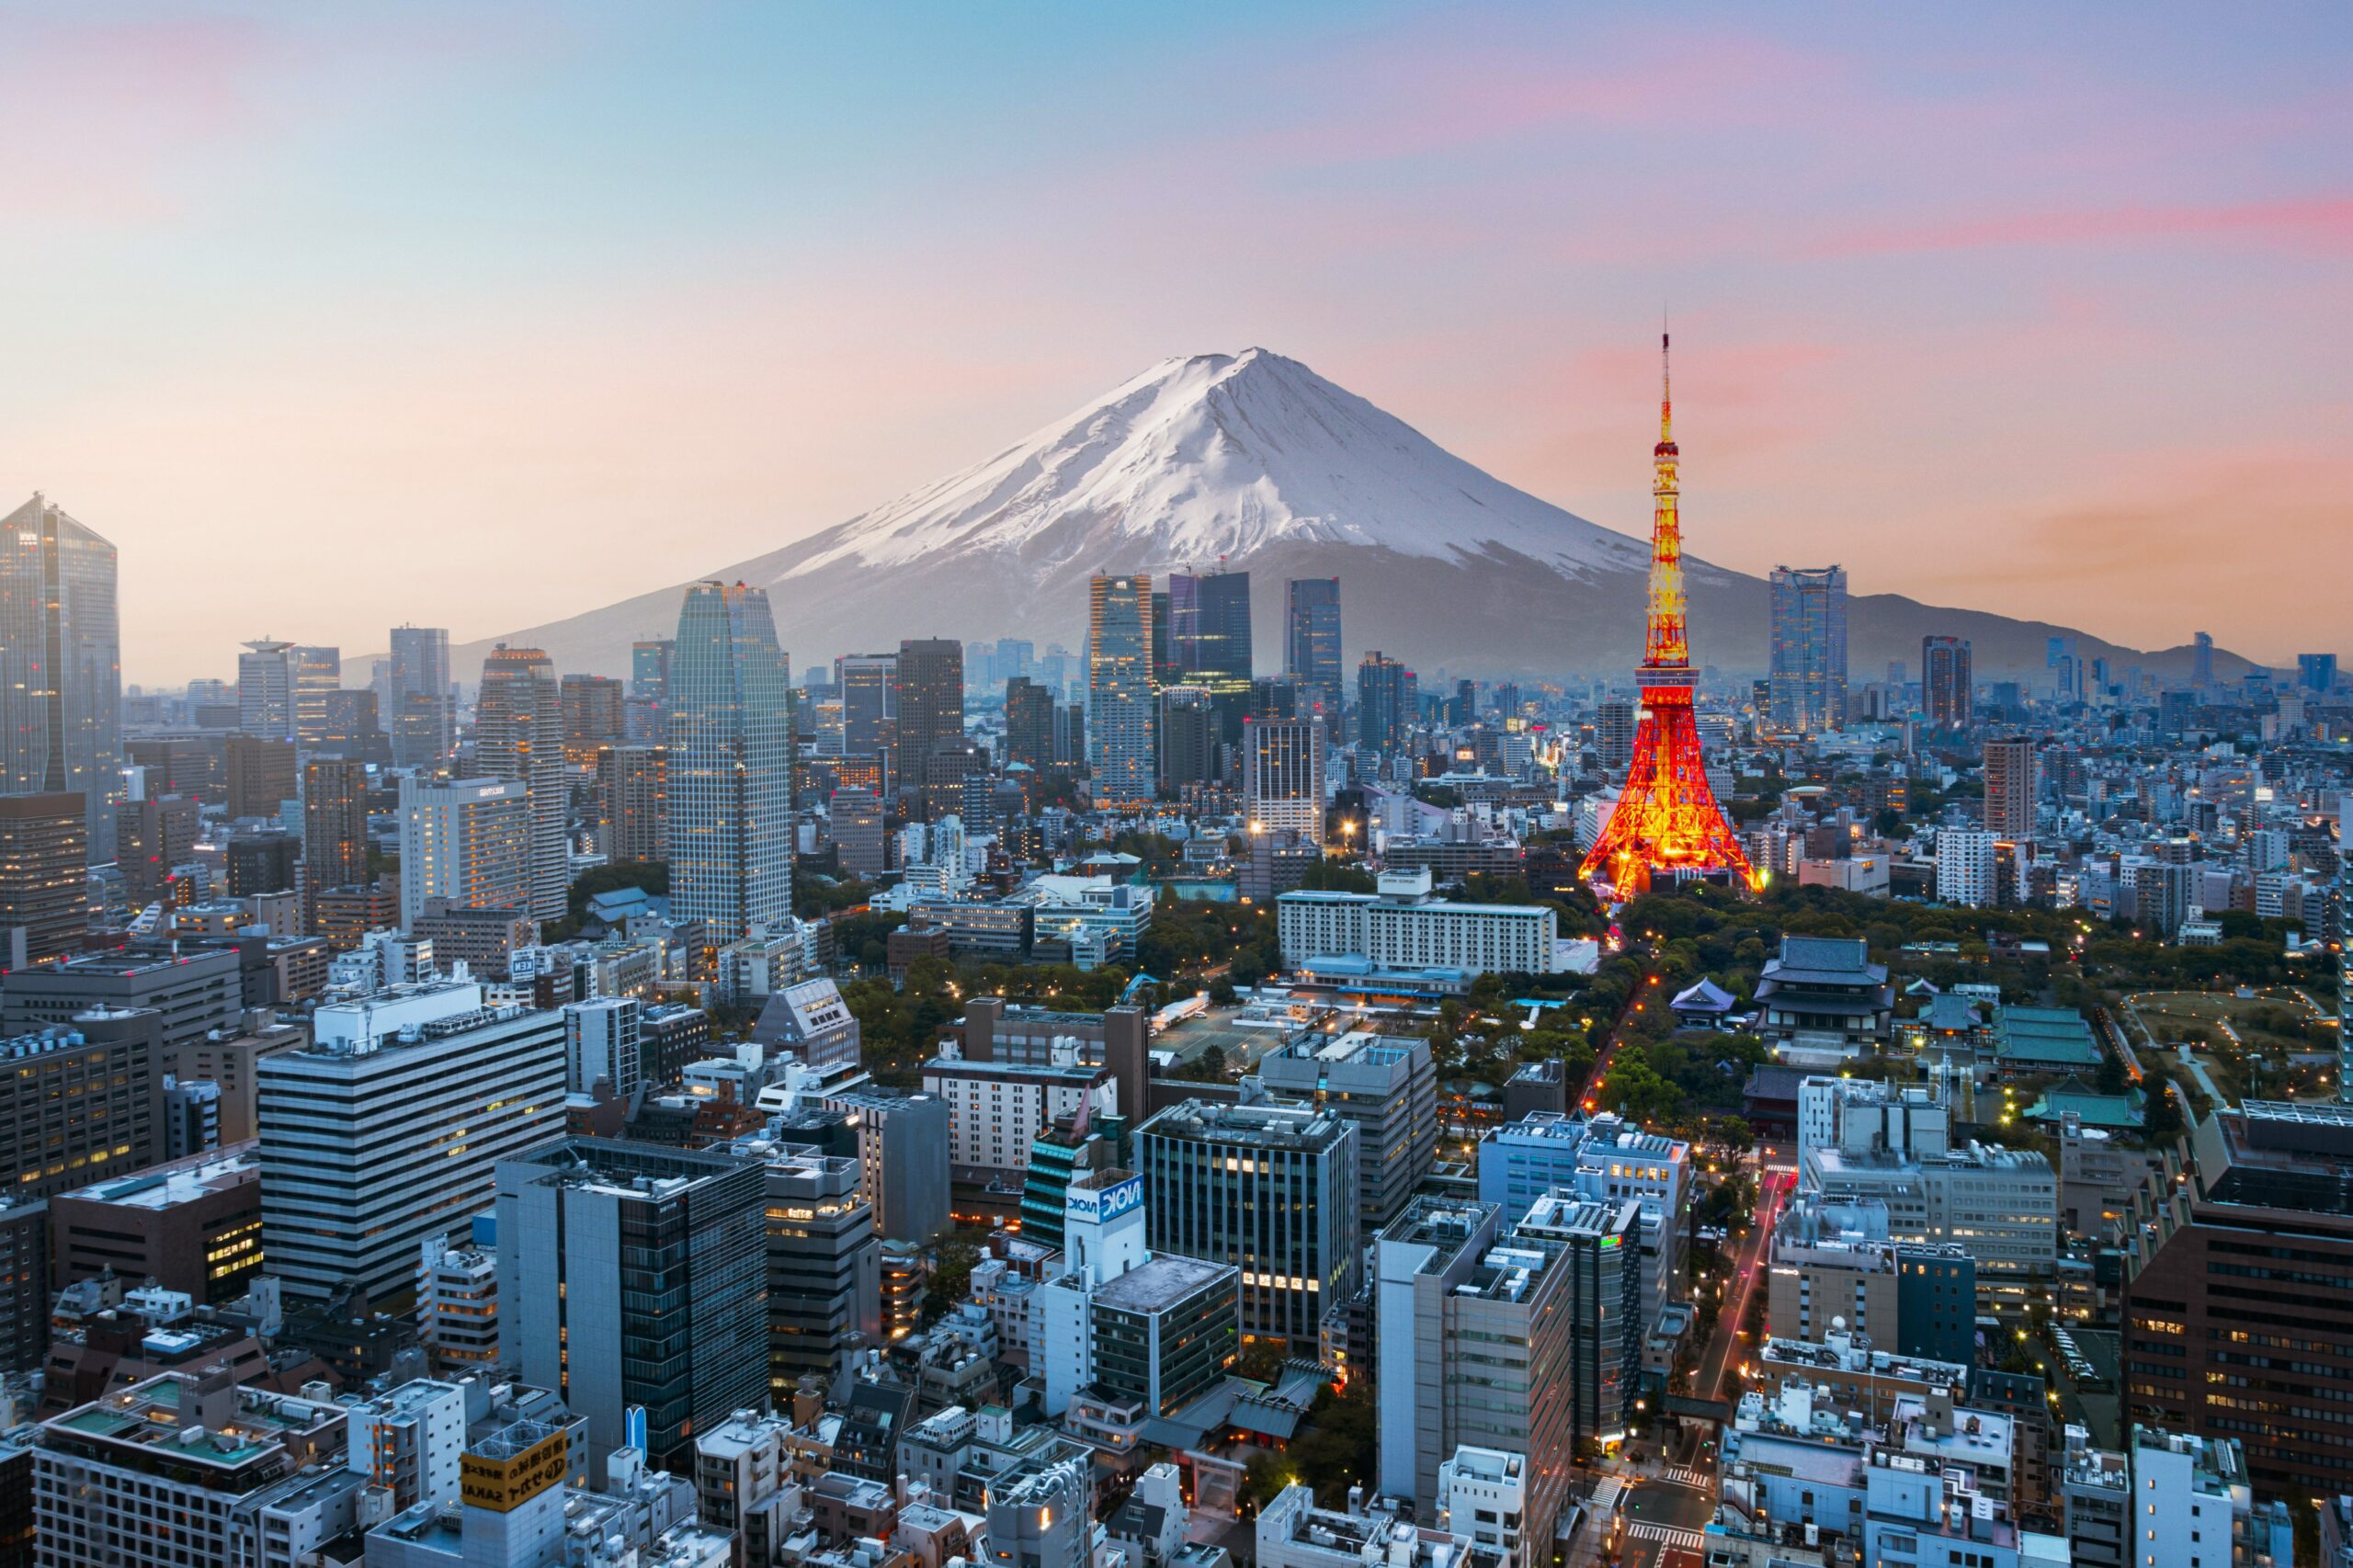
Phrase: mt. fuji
(1255,461)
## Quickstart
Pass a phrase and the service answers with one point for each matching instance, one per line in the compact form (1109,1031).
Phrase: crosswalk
(1685,1475)
(1669,1535)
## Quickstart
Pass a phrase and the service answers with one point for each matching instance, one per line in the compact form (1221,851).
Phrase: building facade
(1121,743)
(730,764)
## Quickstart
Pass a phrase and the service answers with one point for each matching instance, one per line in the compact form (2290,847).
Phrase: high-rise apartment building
(858,832)
(1387,703)
(262,774)
(386,1129)
(44,876)
(1613,735)
(466,840)
(1282,776)
(60,666)
(594,715)
(1271,1189)
(1808,669)
(2013,778)
(518,736)
(631,1276)
(1948,691)
(1312,634)
(416,705)
(1029,723)
(928,700)
(730,764)
(633,802)
(334,827)
(1119,720)
(266,690)
(318,676)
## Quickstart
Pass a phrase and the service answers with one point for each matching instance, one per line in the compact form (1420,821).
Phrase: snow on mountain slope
(1218,455)
(1257,460)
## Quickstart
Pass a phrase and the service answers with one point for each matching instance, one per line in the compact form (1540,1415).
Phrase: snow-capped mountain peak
(1217,456)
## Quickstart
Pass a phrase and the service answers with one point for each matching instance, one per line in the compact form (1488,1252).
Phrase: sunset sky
(332,317)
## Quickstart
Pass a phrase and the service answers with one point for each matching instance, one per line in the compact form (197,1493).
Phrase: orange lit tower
(1666,818)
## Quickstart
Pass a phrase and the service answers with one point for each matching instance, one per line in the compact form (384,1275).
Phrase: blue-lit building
(1807,689)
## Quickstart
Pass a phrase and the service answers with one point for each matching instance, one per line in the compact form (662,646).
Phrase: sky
(337,317)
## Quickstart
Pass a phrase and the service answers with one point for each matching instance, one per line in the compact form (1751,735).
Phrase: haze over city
(339,317)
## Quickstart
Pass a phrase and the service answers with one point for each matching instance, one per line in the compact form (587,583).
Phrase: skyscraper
(1186,732)
(1312,633)
(60,666)
(929,700)
(730,764)
(421,716)
(2201,659)
(44,876)
(335,828)
(1809,652)
(1387,701)
(1282,776)
(262,775)
(1947,694)
(1029,723)
(868,684)
(2011,782)
(633,804)
(1178,643)
(649,690)
(1120,731)
(518,736)
(2316,672)
(1221,648)
(266,690)
(637,1278)
(595,714)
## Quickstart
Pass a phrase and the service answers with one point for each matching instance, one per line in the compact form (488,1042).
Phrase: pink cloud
(2322,224)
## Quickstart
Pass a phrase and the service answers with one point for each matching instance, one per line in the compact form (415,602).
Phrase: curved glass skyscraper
(730,764)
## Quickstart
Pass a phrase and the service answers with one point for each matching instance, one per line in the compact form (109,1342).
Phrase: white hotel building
(1401,927)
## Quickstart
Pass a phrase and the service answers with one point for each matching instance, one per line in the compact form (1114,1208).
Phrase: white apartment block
(1965,866)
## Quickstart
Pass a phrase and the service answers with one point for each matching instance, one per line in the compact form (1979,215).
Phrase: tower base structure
(1666,825)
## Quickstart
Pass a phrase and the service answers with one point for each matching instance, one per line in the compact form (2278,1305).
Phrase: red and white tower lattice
(1666,820)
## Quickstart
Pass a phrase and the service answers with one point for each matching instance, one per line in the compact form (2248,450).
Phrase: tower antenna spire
(1665,386)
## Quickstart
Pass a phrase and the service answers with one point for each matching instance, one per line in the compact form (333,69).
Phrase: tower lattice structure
(1666,819)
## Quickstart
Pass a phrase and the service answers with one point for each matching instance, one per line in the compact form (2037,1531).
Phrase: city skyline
(416,328)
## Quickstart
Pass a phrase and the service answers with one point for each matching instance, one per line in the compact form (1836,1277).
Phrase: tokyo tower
(1666,820)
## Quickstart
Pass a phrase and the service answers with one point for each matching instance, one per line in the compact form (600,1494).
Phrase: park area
(2273,1043)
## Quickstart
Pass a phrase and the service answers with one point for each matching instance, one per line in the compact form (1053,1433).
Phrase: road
(1725,1351)
(1664,1516)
